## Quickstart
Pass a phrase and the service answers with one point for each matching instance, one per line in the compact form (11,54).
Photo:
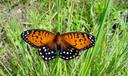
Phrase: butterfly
(50,45)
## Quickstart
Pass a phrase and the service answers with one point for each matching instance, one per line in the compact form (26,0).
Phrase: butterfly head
(57,33)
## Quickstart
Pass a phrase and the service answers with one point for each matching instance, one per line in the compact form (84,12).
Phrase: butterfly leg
(47,53)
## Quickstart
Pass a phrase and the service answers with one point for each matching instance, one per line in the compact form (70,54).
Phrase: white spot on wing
(49,58)
(25,35)
(52,52)
(64,52)
(49,53)
(90,37)
(42,56)
(39,49)
(52,56)
(60,52)
(46,58)
(67,58)
(40,53)
(71,50)
(67,52)
(76,54)
(63,57)
(92,40)
(46,53)
(45,50)
(43,47)
(27,32)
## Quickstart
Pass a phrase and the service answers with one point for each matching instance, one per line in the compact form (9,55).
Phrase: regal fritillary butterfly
(68,44)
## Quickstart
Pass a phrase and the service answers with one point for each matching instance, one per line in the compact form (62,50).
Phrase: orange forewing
(77,40)
(39,38)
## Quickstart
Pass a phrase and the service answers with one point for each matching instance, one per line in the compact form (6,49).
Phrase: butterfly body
(70,44)
(57,39)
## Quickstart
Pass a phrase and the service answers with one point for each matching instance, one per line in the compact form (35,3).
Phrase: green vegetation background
(106,19)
